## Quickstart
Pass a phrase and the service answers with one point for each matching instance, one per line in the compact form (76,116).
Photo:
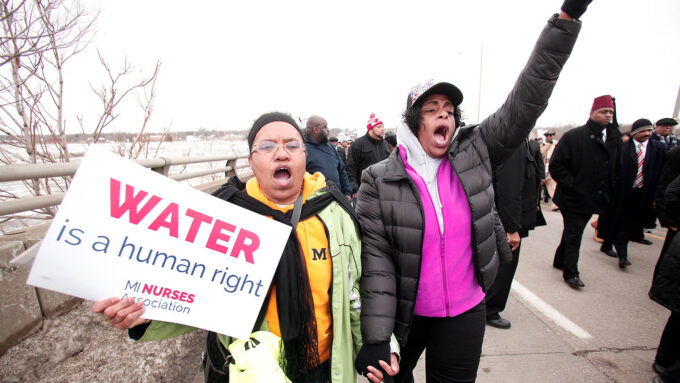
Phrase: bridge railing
(23,308)
(162,165)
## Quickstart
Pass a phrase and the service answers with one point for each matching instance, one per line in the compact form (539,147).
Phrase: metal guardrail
(22,172)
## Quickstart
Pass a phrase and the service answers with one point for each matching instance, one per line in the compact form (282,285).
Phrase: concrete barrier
(23,307)
(20,313)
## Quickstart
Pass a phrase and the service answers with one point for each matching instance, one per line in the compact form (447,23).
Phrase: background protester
(547,152)
(664,133)
(431,233)
(516,184)
(585,164)
(319,331)
(632,201)
(391,139)
(342,150)
(664,290)
(670,170)
(366,151)
(323,157)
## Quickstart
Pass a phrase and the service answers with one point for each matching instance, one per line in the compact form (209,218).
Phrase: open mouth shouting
(282,175)
(441,136)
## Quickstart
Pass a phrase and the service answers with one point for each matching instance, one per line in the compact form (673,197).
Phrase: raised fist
(575,8)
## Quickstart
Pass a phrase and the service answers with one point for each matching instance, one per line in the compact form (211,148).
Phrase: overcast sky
(225,63)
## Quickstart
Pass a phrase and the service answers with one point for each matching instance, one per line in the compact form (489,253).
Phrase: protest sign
(123,230)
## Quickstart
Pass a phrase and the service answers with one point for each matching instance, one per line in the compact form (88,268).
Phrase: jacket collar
(394,167)
(612,130)
(309,141)
(596,128)
(415,155)
(458,136)
(373,140)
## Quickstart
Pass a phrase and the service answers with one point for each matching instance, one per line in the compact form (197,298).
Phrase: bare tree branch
(37,39)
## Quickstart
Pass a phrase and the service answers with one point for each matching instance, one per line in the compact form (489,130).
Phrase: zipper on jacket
(330,299)
(416,193)
(442,243)
(442,259)
(473,240)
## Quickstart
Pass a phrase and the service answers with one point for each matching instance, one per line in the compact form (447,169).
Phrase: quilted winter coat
(390,208)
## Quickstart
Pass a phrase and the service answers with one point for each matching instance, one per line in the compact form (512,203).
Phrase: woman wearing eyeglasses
(313,304)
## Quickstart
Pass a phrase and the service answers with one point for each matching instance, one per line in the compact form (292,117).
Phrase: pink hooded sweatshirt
(448,285)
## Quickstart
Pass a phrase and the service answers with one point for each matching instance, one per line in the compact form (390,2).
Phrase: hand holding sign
(122,314)
(185,256)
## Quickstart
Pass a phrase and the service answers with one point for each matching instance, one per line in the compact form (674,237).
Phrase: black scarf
(595,127)
(295,304)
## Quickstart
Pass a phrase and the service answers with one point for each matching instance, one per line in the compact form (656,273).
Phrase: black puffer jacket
(670,170)
(390,208)
(666,283)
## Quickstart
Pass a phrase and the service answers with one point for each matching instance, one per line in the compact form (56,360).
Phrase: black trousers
(453,347)
(566,255)
(497,297)
(632,227)
(668,353)
(635,219)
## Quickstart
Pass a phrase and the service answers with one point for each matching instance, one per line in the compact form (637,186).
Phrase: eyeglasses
(270,146)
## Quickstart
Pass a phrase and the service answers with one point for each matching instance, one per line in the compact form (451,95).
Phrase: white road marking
(549,311)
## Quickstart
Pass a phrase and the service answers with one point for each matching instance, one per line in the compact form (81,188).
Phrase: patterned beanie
(373,121)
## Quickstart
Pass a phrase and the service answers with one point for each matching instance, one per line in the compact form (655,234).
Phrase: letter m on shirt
(319,255)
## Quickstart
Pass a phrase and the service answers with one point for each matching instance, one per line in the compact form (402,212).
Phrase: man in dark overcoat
(516,184)
(584,165)
(632,203)
(664,133)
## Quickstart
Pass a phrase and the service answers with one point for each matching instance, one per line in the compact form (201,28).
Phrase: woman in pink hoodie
(431,235)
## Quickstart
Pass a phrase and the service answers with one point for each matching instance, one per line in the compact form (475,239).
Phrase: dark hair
(412,117)
(391,138)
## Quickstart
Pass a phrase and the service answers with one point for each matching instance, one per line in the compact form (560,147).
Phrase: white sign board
(123,230)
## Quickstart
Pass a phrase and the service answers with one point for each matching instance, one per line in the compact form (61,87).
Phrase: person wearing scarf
(313,304)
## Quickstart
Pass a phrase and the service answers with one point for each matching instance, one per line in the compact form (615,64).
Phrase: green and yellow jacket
(344,248)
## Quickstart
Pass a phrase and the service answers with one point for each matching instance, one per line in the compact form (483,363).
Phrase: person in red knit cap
(366,151)
(584,165)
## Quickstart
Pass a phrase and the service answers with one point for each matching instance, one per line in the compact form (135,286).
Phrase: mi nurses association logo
(159,297)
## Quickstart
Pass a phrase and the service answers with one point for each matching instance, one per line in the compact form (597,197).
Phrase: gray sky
(225,63)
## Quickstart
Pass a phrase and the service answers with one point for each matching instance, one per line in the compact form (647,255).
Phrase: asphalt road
(606,332)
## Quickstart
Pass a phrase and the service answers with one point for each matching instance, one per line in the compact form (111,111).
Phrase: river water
(188,148)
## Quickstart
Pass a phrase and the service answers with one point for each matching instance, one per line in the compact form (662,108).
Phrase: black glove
(575,8)
(370,355)
(137,332)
